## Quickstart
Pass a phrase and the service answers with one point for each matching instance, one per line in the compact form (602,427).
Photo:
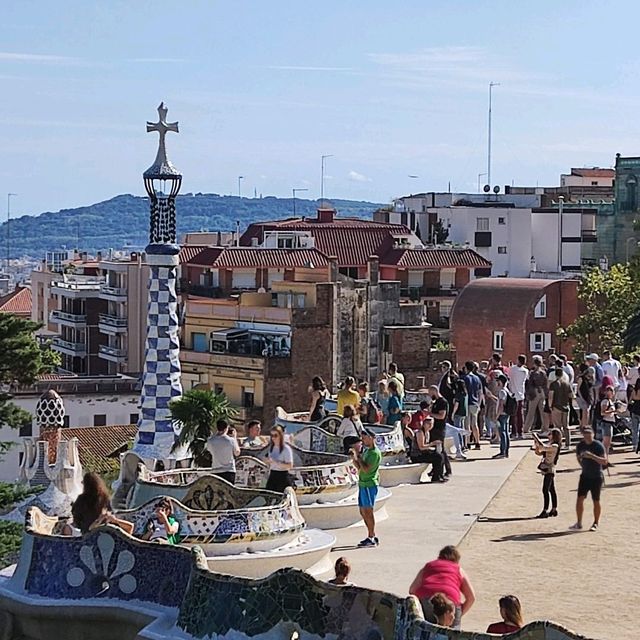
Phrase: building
(511,316)
(18,303)
(588,177)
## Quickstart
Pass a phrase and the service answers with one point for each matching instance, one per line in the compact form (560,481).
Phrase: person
(394,374)
(366,457)
(503,417)
(634,411)
(439,411)
(280,461)
(593,361)
(560,396)
(633,374)
(491,397)
(592,458)
(254,439)
(511,614)
(447,384)
(394,406)
(567,367)
(162,527)
(425,449)
(224,449)
(92,509)
(550,453)
(584,396)
(621,389)
(319,393)
(460,411)
(368,409)
(350,428)
(382,398)
(536,391)
(474,397)
(518,375)
(342,570)
(408,432)
(444,612)
(611,367)
(444,575)
(347,395)
(420,415)
(607,418)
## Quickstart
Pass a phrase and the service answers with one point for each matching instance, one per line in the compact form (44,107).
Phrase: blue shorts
(367,497)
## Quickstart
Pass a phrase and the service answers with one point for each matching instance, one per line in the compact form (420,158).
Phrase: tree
(610,299)
(198,410)
(22,360)
(439,233)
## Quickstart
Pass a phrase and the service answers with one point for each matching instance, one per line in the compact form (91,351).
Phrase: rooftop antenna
(323,158)
(491,85)
(9,196)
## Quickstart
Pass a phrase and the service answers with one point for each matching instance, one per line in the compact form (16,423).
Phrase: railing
(113,291)
(114,352)
(76,347)
(113,321)
(415,293)
(93,285)
(69,317)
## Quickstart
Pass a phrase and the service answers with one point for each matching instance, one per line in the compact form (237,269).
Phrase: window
(199,342)
(100,420)
(350,272)
(26,430)
(541,308)
(594,183)
(498,340)
(133,418)
(218,389)
(247,398)
(285,243)
(65,422)
(502,250)
(482,224)
(483,239)
(539,342)
(502,221)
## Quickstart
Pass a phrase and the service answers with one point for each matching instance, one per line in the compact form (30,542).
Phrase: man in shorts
(367,461)
(592,459)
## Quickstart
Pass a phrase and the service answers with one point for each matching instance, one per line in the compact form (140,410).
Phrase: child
(343,569)
(162,527)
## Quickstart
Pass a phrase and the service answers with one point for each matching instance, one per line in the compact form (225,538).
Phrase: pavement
(424,518)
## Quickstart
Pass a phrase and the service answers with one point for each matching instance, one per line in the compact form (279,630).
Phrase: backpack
(374,412)
(510,404)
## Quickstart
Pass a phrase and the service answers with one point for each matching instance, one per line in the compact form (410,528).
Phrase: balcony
(416,293)
(112,324)
(113,354)
(68,319)
(88,287)
(69,348)
(117,294)
(222,360)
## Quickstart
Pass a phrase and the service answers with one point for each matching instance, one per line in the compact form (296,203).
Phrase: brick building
(512,316)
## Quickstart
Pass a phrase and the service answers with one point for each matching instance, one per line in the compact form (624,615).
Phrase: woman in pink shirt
(444,575)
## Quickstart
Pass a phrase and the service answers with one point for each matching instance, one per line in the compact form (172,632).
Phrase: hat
(593,356)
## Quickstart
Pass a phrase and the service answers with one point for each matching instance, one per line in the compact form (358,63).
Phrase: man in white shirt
(611,368)
(224,450)
(567,368)
(518,376)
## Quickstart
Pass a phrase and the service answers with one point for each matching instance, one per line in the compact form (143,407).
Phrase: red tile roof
(97,444)
(239,257)
(595,172)
(17,302)
(438,258)
(189,252)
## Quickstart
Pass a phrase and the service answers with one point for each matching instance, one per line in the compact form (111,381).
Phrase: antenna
(491,85)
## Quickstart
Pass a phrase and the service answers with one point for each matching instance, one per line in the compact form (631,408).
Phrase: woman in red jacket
(511,614)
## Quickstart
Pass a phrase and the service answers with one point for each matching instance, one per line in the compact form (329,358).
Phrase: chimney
(374,270)
(326,214)
(333,268)
(99,256)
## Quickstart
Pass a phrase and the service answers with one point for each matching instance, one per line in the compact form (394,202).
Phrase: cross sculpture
(162,126)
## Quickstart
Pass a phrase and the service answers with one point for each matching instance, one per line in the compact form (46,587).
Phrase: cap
(593,356)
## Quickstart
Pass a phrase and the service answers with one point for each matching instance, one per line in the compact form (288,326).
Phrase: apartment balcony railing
(108,291)
(114,353)
(70,348)
(113,322)
(415,293)
(68,318)
(77,288)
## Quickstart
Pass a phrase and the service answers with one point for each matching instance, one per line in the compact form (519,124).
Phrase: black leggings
(549,491)
(278,481)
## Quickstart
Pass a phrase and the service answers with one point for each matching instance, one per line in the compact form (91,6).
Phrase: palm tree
(197,411)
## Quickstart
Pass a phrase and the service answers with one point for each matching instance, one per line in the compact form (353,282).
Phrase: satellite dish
(496,189)
(486,188)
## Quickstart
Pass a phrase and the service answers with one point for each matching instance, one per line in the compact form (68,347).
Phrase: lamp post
(294,199)
(560,214)
(322,177)
(9,196)
(240,179)
(480,176)
(491,85)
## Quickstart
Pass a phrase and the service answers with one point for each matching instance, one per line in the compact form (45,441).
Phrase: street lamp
(240,178)
(294,198)
(322,177)
(491,85)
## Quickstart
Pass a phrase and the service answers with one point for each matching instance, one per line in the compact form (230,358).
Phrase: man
(481,371)
(253,439)
(633,373)
(420,415)
(518,375)
(591,456)
(592,361)
(447,384)
(611,368)
(347,395)
(567,368)
(367,461)
(224,449)
(502,416)
(536,395)
(491,396)
(474,397)
(430,454)
(439,411)
(394,374)
(560,396)
(553,359)
(363,403)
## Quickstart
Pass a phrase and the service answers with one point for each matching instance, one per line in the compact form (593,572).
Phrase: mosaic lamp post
(161,374)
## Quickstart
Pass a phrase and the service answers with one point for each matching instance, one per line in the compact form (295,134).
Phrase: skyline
(263,92)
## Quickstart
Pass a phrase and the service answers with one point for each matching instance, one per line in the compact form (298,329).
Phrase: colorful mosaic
(294,422)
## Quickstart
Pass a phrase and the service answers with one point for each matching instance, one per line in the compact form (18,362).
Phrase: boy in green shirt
(367,461)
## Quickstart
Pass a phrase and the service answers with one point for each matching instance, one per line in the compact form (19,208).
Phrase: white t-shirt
(223,450)
(632,375)
(349,427)
(611,367)
(568,369)
(279,459)
(518,376)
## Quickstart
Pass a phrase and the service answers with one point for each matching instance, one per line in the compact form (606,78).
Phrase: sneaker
(477,447)
(497,456)
(367,542)
(376,540)
(440,480)
(576,527)
(460,456)
(594,527)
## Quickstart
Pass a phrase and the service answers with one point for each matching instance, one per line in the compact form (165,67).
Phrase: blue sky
(264,88)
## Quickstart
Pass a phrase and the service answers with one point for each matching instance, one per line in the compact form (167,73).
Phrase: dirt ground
(586,581)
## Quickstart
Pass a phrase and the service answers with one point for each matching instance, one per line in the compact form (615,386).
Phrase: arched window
(632,193)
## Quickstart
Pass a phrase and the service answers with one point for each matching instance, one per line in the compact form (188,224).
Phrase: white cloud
(305,68)
(354,176)
(7,56)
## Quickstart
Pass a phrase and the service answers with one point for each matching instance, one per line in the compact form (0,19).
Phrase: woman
(607,417)
(350,428)
(342,570)
(444,611)
(585,393)
(621,393)
(444,575)
(422,450)
(511,614)
(92,507)
(280,461)
(382,397)
(460,403)
(319,393)
(550,453)
(394,408)
(634,410)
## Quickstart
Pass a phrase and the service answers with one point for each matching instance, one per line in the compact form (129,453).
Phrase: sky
(262,89)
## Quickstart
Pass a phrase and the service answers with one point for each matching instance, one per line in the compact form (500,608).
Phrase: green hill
(123,221)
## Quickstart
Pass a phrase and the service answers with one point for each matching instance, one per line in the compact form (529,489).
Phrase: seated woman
(444,611)
(163,527)
(511,614)
(423,450)
(91,508)
(350,428)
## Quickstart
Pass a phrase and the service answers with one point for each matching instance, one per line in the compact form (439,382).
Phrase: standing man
(253,431)
(439,412)
(591,456)
(536,395)
(518,375)
(447,385)
(611,367)
(560,396)
(592,361)
(474,397)
(633,373)
(224,450)
(567,368)
(367,461)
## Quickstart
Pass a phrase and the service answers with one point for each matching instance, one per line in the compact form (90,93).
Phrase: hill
(123,221)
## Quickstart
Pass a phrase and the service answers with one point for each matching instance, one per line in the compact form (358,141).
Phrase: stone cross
(162,126)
